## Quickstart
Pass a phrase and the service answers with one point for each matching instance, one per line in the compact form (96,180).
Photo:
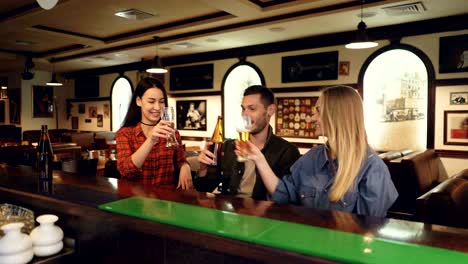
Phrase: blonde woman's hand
(253,152)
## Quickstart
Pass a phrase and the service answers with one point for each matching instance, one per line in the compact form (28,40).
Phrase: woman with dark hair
(344,173)
(142,155)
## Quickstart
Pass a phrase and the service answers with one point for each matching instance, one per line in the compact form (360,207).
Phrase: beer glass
(169,116)
(243,127)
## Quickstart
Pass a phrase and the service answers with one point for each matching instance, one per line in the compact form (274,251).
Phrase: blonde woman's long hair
(342,122)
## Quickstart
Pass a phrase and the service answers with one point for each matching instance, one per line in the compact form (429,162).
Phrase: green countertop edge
(303,239)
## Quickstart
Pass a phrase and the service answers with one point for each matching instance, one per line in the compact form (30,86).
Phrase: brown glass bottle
(45,155)
(217,142)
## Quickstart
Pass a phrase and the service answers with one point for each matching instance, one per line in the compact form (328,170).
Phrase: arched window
(121,94)
(240,76)
(398,90)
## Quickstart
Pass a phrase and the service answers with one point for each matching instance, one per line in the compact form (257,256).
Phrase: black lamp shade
(54,81)
(156,66)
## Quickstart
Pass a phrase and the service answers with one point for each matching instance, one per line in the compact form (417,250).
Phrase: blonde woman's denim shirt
(312,177)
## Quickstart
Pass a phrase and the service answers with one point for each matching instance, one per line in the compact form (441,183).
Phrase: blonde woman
(344,174)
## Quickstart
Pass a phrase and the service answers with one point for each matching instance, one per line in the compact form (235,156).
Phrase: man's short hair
(266,94)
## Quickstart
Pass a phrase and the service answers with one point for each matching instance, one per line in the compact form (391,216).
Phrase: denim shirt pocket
(346,203)
(307,196)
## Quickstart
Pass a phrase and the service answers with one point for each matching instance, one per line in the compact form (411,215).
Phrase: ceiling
(84,34)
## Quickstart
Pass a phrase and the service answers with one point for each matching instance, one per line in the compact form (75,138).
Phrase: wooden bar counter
(105,237)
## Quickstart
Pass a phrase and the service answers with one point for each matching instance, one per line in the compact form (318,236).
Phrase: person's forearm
(269,178)
(139,157)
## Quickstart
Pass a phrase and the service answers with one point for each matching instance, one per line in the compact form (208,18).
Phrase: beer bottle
(45,155)
(217,142)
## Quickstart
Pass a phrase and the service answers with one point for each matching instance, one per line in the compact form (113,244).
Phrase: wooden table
(107,237)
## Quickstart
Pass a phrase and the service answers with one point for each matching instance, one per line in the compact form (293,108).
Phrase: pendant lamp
(54,81)
(156,65)
(362,39)
(47,4)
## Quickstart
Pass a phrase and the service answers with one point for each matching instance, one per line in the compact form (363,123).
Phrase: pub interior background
(267,58)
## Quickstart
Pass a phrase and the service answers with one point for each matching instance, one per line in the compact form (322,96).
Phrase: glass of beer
(243,128)
(169,116)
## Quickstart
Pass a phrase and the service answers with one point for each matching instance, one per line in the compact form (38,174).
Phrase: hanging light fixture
(362,39)
(156,65)
(54,81)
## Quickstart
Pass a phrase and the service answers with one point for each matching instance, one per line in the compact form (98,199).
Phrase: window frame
(431,81)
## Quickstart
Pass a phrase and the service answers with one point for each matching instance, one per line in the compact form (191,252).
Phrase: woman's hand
(161,130)
(253,152)
(185,177)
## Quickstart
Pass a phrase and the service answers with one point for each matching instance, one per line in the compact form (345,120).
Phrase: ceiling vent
(134,14)
(406,9)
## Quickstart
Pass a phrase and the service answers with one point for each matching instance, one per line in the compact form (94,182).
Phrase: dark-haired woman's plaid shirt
(160,164)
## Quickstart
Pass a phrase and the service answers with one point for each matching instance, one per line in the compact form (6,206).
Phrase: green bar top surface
(304,239)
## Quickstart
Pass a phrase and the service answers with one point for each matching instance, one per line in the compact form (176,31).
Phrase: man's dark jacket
(279,153)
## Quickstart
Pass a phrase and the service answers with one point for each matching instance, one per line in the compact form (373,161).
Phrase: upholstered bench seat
(447,203)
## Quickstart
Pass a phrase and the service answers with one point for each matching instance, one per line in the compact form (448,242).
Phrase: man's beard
(260,125)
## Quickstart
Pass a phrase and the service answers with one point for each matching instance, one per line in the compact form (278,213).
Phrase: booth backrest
(413,175)
(10,133)
(447,203)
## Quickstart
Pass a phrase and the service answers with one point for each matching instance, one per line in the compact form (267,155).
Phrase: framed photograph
(294,117)
(81,108)
(43,101)
(74,121)
(106,111)
(191,115)
(191,77)
(15,105)
(456,127)
(100,121)
(344,68)
(453,54)
(310,67)
(92,111)
(459,98)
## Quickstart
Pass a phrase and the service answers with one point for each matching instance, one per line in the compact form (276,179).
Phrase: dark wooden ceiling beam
(380,33)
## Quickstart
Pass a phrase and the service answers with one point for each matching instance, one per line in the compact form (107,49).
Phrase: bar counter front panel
(179,226)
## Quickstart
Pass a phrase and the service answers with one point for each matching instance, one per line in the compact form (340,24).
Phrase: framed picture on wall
(74,121)
(310,67)
(81,108)
(294,117)
(100,120)
(191,77)
(43,101)
(456,127)
(92,111)
(15,105)
(459,98)
(191,115)
(453,54)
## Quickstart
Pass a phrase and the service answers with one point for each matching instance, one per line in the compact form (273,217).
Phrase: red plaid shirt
(158,168)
